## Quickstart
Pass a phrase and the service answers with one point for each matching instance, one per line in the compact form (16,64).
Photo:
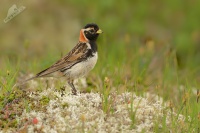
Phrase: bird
(79,61)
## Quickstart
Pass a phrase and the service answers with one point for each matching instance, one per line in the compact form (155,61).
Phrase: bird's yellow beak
(99,31)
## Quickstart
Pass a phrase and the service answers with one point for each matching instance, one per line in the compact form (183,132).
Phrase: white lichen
(126,112)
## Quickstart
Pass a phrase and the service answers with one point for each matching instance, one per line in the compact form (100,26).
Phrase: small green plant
(132,113)
(6,86)
(105,96)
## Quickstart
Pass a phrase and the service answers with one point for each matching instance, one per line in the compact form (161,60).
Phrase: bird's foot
(74,92)
(62,90)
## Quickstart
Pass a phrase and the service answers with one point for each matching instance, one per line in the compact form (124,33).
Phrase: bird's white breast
(82,68)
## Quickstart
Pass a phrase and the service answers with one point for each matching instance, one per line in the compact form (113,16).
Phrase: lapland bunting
(79,61)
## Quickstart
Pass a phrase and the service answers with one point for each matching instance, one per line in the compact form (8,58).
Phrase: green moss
(65,105)
(44,100)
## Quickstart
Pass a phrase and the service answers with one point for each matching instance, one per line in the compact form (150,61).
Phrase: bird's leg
(62,90)
(73,88)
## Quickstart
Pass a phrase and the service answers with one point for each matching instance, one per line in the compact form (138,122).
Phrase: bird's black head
(91,31)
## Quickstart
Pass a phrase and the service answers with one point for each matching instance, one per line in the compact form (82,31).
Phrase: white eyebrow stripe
(90,28)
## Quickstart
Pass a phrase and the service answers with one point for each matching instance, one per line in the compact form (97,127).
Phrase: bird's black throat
(93,46)
(93,49)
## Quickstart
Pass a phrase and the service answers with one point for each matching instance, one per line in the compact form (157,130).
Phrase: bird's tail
(23,82)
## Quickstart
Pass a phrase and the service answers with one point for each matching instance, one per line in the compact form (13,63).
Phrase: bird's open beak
(99,31)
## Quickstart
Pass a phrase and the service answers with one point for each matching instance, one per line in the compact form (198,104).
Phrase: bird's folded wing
(77,54)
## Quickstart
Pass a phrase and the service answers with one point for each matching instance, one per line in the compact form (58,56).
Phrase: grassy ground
(148,46)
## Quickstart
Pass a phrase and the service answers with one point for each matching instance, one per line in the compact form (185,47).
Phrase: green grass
(147,46)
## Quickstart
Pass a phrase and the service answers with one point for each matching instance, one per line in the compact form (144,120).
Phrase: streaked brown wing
(76,55)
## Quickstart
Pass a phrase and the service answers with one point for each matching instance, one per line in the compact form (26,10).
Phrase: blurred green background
(147,45)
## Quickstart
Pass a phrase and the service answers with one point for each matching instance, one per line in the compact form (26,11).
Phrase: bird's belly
(82,68)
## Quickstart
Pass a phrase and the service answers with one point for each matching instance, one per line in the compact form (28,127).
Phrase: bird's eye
(92,31)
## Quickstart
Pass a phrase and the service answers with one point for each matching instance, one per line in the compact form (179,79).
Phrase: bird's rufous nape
(82,37)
